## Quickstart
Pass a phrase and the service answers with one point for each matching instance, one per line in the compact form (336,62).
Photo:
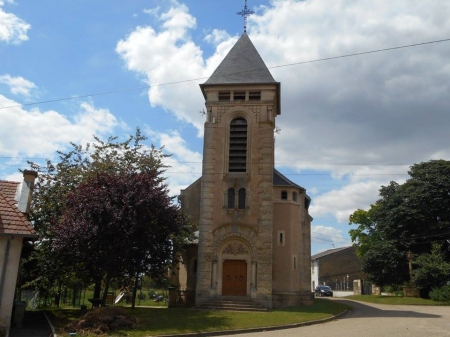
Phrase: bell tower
(236,201)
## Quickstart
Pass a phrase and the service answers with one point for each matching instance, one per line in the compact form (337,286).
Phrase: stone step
(232,303)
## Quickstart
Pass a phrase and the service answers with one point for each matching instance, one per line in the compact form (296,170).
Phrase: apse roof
(280,180)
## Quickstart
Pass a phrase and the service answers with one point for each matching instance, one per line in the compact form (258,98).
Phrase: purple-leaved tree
(119,224)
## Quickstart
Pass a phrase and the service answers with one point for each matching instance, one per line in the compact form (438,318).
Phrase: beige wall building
(15,200)
(254,226)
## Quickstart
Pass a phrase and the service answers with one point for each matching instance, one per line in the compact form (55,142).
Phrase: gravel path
(375,320)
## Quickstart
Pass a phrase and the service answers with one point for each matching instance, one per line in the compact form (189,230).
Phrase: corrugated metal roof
(328,252)
(12,220)
(242,65)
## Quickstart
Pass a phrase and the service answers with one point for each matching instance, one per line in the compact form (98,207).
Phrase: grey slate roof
(281,180)
(242,65)
(328,252)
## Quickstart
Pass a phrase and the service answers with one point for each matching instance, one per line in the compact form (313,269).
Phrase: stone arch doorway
(234,261)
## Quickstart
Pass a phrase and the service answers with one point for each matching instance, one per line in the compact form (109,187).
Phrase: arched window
(238,146)
(231,198)
(241,201)
(294,196)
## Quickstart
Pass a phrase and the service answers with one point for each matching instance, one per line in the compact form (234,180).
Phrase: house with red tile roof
(15,227)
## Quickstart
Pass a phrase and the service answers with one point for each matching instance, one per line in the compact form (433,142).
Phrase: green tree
(78,167)
(431,269)
(407,217)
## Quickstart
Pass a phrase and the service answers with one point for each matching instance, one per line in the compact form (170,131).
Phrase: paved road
(374,320)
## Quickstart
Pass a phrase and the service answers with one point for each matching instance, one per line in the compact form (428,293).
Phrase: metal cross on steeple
(245,13)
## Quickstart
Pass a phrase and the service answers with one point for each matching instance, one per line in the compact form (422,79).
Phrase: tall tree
(79,167)
(407,217)
(119,224)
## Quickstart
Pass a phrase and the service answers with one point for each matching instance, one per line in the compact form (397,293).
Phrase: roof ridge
(329,252)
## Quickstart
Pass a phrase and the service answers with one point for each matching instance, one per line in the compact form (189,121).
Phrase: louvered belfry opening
(238,146)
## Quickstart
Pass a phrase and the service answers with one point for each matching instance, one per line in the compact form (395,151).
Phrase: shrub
(441,294)
(396,290)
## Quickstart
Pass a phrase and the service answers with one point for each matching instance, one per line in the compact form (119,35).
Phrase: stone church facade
(254,227)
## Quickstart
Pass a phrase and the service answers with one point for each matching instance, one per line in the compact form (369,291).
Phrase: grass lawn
(161,321)
(395,300)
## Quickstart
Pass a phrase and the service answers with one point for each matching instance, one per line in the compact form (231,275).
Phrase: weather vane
(245,13)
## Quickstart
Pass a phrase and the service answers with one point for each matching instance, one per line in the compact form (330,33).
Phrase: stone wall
(289,299)
(334,268)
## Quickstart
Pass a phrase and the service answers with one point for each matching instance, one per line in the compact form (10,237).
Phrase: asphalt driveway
(375,320)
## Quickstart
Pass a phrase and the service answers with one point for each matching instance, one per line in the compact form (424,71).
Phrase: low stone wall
(342,293)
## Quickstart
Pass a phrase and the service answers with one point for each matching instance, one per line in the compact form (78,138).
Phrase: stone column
(206,215)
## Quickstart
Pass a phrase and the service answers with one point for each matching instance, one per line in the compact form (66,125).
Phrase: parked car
(323,291)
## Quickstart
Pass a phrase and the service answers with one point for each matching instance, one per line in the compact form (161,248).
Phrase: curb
(50,324)
(267,328)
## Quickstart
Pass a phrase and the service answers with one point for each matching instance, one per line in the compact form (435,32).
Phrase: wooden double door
(234,278)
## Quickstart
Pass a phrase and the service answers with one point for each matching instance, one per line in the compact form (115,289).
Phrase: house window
(254,96)
(231,197)
(281,238)
(241,201)
(224,96)
(239,96)
(238,146)
(294,196)
(283,195)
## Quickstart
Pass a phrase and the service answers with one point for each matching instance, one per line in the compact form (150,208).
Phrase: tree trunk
(58,294)
(105,292)
(97,290)
(133,299)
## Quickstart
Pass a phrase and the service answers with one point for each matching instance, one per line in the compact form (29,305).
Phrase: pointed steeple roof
(242,65)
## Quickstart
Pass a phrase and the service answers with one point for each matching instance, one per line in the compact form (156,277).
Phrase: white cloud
(387,107)
(343,202)
(217,36)
(40,133)
(152,11)
(365,109)
(12,28)
(364,118)
(18,85)
(321,235)
(169,55)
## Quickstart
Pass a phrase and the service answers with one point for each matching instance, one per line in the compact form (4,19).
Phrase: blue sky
(347,125)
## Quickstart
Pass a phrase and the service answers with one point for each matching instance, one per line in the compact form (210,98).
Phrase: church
(254,229)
